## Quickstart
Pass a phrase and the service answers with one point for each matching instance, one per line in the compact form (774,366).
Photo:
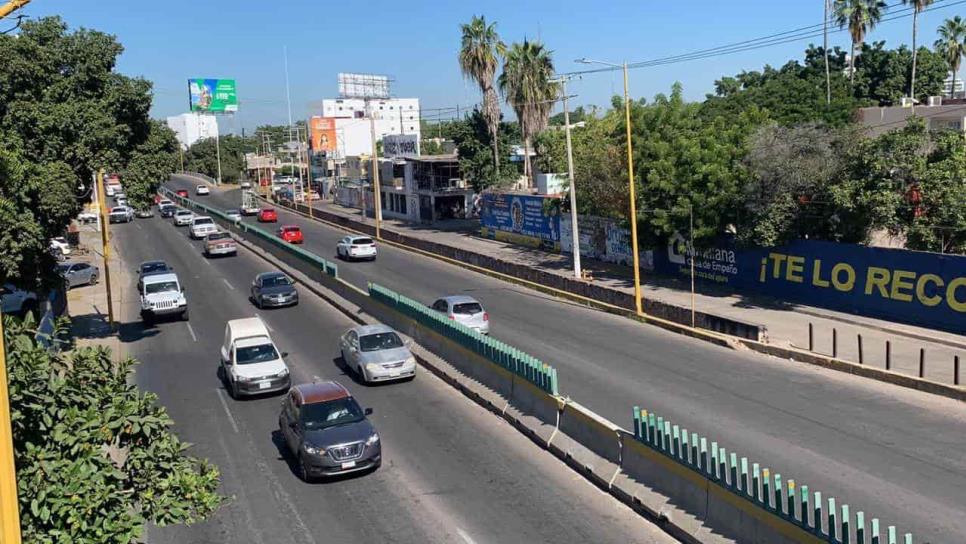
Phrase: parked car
(250,362)
(162,295)
(167,210)
(234,214)
(356,247)
(183,217)
(16,301)
(182,193)
(465,310)
(120,214)
(121,201)
(202,226)
(246,185)
(377,353)
(144,213)
(267,215)
(220,243)
(151,268)
(60,245)
(327,431)
(87,217)
(291,234)
(76,274)
(202,190)
(273,289)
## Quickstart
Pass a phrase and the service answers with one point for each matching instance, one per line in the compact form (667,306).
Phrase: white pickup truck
(202,226)
(250,362)
(162,295)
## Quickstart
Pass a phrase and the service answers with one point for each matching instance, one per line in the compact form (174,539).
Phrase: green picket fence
(522,364)
(790,501)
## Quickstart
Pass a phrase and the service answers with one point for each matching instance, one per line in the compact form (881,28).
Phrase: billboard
(212,95)
(403,146)
(521,219)
(322,134)
(924,289)
(363,86)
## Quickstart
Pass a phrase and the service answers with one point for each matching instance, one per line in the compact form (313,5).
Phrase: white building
(191,127)
(353,133)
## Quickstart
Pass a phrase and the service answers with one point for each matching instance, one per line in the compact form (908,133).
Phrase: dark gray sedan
(273,289)
(78,274)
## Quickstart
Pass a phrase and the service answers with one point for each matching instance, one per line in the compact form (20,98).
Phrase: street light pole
(217,146)
(575,232)
(105,247)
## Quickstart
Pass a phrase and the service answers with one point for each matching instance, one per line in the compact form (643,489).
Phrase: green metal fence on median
(522,364)
(757,485)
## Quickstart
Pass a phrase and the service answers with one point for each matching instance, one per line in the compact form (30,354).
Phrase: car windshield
(232,212)
(291,229)
(203,221)
(329,414)
(148,268)
(255,354)
(467,308)
(118,210)
(361,241)
(63,268)
(182,212)
(161,287)
(218,236)
(275,281)
(380,341)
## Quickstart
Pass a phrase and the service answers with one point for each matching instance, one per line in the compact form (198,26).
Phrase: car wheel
(303,470)
(147,319)
(362,374)
(258,302)
(93,280)
(230,386)
(184,315)
(28,307)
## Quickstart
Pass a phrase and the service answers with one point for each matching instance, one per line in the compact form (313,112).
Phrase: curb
(718,339)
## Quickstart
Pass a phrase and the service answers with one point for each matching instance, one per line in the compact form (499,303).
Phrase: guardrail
(205,177)
(522,364)
(712,485)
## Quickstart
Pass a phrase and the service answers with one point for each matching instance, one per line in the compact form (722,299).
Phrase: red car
(157,199)
(291,234)
(182,193)
(267,215)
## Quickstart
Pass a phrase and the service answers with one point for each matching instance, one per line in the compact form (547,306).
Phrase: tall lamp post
(575,236)
(630,182)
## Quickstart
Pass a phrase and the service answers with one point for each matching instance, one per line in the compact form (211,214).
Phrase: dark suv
(327,432)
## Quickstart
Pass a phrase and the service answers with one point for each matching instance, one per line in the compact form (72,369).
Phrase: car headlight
(283,373)
(312,450)
(372,367)
(373,440)
(145,305)
(411,360)
(247,379)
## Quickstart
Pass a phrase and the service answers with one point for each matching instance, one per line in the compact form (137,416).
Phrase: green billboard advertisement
(212,95)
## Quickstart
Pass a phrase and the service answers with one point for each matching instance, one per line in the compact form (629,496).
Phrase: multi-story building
(350,121)
(938,114)
(191,127)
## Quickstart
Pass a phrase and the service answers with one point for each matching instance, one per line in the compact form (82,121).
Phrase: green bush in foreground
(96,458)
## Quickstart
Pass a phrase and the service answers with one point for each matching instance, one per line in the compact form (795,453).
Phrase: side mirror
(368,411)
(284,354)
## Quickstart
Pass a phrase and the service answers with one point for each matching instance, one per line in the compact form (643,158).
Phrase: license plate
(264,385)
(348,464)
(394,374)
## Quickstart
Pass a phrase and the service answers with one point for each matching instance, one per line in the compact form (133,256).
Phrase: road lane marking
(230,286)
(231,418)
(466,538)
(138,226)
(192,331)
(260,316)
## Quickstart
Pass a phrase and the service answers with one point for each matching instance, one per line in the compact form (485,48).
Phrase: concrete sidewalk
(787,324)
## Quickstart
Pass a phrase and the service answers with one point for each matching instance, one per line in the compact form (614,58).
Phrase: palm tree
(528,86)
(478,61)
(952,46)
(918,6)
(860,17)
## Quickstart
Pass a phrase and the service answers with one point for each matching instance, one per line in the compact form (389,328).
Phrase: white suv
(250,363)
(183,217)
(162,295)
(202,226)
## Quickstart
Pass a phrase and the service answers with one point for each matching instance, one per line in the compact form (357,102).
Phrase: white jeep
(162,295)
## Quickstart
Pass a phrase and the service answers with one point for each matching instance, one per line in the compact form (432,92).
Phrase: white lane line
(138,226)
(466,538)
(221,397)
(192,331)
(270,329)
(230,286)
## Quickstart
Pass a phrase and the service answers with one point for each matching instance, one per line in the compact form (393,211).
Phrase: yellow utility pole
(7,9)
(9,504)
(105,247)
(630,182)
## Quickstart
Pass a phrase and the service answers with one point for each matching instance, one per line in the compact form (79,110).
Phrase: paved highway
(894,453)
(452,472)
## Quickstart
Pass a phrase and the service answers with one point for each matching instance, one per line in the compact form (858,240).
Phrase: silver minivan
(465,310)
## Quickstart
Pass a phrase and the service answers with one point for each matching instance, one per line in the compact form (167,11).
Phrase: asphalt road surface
(452,472)
(893,453)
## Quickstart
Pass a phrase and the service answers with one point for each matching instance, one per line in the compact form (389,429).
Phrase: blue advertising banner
(521,219)
(925,289)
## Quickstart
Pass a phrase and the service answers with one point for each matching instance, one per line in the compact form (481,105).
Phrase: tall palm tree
(528,86)
(860,17)
(952,46)
(478,54)
(918,6)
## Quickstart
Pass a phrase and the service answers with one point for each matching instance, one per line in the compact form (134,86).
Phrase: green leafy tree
(150,165)
(203,157)
(859,17)
(882,75)
(527,84)
(472,138)
(918,6)
(96,458)
(951,45)
(940,224)
(478,57)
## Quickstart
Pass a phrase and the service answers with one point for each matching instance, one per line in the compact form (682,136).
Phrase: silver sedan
(377,353)
(78,274)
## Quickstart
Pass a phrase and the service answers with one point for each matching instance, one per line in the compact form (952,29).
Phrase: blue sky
(416,43)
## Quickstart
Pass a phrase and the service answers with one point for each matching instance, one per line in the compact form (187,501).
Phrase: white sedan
(202,190)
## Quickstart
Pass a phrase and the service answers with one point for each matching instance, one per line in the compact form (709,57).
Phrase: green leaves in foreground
(96,458)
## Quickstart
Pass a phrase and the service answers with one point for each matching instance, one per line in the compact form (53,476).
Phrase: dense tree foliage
(150,165)
(96,458)
(203,157)
(472,136)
